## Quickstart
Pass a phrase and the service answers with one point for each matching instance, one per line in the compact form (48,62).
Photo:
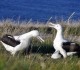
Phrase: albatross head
(56,26)
(35,33)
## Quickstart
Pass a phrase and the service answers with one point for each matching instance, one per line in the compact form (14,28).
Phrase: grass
(38,62)
(39,58)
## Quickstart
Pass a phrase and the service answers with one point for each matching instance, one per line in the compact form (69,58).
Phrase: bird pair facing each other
(62,47)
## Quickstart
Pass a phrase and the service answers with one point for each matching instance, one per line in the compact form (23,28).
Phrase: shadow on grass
(44,49)
(39,49)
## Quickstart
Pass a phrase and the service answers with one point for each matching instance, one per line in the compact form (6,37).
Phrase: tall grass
(39,58)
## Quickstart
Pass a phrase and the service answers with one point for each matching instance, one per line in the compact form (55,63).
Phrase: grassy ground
(38,62)
(39,58)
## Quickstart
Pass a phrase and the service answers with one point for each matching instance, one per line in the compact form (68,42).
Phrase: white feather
(58,41)
(24,41)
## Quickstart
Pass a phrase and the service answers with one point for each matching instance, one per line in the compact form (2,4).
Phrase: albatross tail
(7,47)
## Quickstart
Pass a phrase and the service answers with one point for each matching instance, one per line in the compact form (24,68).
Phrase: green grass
(38,62)
(39,58)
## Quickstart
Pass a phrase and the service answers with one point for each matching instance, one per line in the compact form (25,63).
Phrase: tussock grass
(39,58)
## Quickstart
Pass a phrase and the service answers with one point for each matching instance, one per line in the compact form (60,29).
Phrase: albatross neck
(26,36)
(59,34)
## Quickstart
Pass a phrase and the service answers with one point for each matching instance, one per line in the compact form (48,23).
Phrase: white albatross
(16,43)
(62,46)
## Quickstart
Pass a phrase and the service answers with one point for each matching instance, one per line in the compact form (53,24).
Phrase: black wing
(9,39)
(70,46)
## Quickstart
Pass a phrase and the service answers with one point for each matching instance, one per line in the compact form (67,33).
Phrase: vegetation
(39,58)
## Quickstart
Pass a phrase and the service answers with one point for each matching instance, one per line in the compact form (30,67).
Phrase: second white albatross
(16,43)
(62,47)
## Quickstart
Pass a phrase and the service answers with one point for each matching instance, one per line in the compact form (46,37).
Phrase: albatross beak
(51,24)
(41,40)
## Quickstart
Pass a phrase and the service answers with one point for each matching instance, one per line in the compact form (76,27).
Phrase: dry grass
(41,52)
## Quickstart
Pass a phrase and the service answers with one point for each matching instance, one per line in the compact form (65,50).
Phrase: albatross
(61,45)
(17,43)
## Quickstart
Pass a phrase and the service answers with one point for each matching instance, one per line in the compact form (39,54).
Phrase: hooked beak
(41,40)
(51,24)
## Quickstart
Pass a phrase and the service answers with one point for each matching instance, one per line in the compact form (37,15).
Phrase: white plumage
(24,41)
(58,43)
